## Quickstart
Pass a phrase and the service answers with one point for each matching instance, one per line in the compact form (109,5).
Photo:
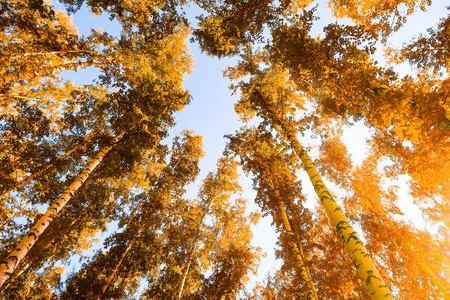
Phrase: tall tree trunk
(13,277)
(122,257)
(45,168)
(46,71)
(13,259)
(15,214)
(436,281)
(311,283)
(191,251)
(185,273)
(61,232)
(305,276)
(375,285)
(406,242)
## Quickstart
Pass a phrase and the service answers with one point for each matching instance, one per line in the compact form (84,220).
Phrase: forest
(96,192)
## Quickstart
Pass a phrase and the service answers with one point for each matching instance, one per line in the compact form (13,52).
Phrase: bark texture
(20,251)
(375,285)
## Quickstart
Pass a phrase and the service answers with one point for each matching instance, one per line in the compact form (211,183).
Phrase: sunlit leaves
(318,84)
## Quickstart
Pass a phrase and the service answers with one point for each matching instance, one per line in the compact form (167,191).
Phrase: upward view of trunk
(185,273)
(192,251)
(305,276)
(122,257)
(407,243)
(47,71)
(435,280)
(15,257)
(15,214)
(35,257)
(46,167)
(375,285)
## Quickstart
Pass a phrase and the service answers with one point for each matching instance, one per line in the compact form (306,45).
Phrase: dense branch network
(75,159)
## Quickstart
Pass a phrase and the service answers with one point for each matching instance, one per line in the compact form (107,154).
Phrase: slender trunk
(297,251)
(137,231)
(13,277)
(14,258)
(122,257)
(45,167)
(185,273)
(436,281)
(308,274)
(34,258)
(375,285)
(46,71)
(191,251)
(354,282)
(17,274)
(14,214)
(311,293)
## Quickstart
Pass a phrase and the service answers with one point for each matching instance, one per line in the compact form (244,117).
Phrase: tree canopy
(97,203)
